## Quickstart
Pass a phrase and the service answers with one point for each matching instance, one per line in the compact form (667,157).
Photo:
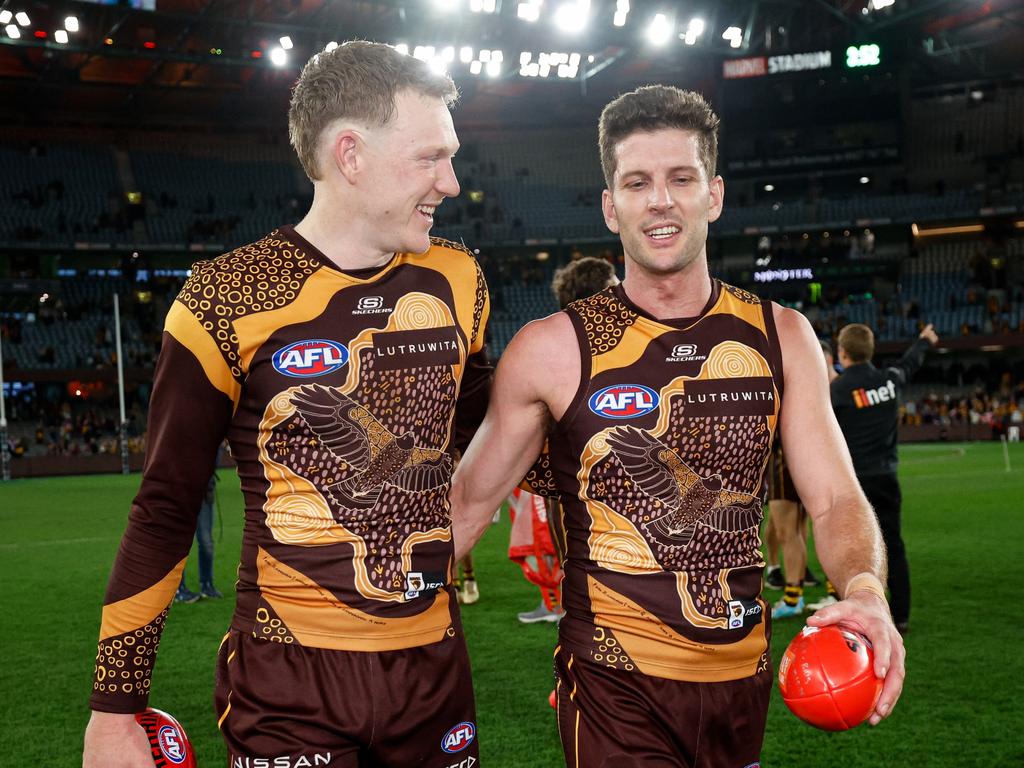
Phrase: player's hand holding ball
(827,677)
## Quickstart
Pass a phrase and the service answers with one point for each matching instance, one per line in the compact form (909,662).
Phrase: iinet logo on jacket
(865,398)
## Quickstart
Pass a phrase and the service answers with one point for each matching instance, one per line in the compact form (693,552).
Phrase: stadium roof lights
(621,12)
(734,35)
(61,37)
(572,16)
(528,11)
(286,43)
(659,31)
(71,23)
(5,16)
(482,6)
(22,18)
(12,31)
(693,30)
(278,56)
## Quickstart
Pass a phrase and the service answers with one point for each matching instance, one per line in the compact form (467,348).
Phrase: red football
(167,740)
(827,677)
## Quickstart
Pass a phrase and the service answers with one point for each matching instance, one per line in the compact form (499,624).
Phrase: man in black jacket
(866,402)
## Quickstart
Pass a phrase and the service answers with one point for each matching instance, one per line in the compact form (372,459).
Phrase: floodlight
(5,16)
(402,48)
(769,187)
(864,179)
(660,30)
(12,31)
(278,57)
(734,35)
(61,37)
(448,54)
(71,23)
(621,12)
(574,60)
(475,67)
(22,18)
(494,67)
(528,11)
(465,54)
(286,43)
(524,58)
(572,16)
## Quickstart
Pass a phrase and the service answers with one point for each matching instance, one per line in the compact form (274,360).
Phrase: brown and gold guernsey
(343,396)
(660,463)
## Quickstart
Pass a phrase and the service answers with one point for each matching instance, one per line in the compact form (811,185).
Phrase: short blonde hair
(358,81)
(858,341)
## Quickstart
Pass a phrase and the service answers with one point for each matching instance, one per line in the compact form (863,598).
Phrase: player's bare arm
(534,383)
(847,537)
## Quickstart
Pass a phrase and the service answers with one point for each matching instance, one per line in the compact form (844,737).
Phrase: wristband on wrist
(865,582)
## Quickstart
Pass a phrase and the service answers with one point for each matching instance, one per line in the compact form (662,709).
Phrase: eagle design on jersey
(688,498)
(357,439)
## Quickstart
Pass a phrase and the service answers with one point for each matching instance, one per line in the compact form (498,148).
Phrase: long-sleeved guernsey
(343,396)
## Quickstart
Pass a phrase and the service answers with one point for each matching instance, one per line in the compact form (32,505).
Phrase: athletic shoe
(825,602)
(773,578)
(783,610)
(186,595)
(210,591)
(810,580)
(469,593)
(540,613)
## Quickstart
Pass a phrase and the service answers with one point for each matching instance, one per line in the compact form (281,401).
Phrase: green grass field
(962,705)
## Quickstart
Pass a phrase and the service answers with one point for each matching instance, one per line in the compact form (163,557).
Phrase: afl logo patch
(312,357)
(624,401)
(172,744)
(458,737)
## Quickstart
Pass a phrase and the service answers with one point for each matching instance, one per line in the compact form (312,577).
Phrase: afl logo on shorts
(624,401)
(313,357)
(458,737)
(172,744)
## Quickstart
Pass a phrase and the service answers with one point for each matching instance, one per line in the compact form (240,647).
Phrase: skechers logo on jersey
(171,744)
(624,401)
(282,761)
(865,398)
(684,353)
(371,305)
(312,357)
(458,737)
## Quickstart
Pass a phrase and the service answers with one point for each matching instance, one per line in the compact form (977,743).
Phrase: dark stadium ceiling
(214,60)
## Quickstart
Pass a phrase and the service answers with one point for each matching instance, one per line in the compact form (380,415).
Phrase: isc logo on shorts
(171,744)
(624,401)
(458,737)
(312,357)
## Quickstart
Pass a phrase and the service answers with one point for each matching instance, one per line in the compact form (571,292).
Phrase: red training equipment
(168,741)
(827,677)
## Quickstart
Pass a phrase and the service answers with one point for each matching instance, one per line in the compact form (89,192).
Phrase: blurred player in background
(344,360)
(866,404)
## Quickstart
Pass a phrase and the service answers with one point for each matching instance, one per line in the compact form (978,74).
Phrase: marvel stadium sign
(757,66)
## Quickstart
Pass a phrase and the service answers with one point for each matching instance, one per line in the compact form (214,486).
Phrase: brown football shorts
(286,706)
(609,718)
(780,482)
